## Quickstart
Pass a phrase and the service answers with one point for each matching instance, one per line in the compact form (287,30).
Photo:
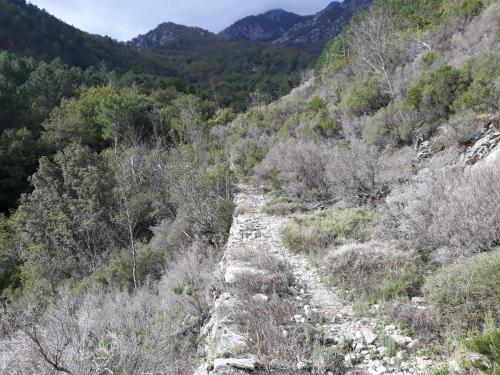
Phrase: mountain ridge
(308,32)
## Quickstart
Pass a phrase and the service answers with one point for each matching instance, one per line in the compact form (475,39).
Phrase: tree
(66,225)
(375,45)
(19,153)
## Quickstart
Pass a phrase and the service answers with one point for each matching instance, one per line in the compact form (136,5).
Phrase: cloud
(125,19)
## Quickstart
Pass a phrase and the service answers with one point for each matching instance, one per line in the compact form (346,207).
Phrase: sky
(125,19)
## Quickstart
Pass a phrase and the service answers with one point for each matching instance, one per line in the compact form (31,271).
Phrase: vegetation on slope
(405,91)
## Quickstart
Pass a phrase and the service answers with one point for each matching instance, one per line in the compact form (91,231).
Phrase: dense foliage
(226,71)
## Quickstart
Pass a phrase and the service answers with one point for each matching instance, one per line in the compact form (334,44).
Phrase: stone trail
(226,348)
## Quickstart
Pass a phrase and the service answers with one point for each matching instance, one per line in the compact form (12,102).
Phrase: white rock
(202,370)
(301,365)
(369,336)
(298,318)
(307,310)
(414,344)
(259,297)
(401,340)
(245,362)
(418,300)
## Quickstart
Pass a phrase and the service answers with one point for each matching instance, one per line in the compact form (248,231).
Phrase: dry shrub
(461,129)
(274,274)
(425,324)
(296,168)
(353,173)
(446,207)
(378,270)
(285,208)
(467,291)
(265,324)
(150,330)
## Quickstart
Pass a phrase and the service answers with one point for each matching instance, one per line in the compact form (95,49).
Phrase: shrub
(478,76)
(301,167)
(447,208)
(429,58)
(465,292)
(314,232)
(377,270)
(487,344)
(469,8)
(365,97)
(461,128)
(354,173)
(433,93)
(391,125)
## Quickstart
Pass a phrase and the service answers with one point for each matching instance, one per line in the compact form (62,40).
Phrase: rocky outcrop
(487,145)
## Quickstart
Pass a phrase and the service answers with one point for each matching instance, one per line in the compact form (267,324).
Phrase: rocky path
(253,227)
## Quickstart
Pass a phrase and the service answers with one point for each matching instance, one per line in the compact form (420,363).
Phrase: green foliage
(440,370)
(10,280)
(365,97)
(434,92)
(487,344)
(388,126)
(312,232)
(478,76)
(335,54)
(19,153)
(465,292)
(389,343)
(66,224)
(404,282)
(469,8)
(416,14)
(430,57)
(78,120)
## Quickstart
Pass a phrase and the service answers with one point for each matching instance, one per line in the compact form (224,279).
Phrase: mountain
(290,29)
(28,30)
(266,27)
(316,31)
(169,34)
(227,71)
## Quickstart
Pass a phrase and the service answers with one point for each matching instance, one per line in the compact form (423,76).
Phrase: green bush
(464,292)
(433,93)
(310,233)
(469,8)
(430,57)
(486,343)
(478,76)
(365,97)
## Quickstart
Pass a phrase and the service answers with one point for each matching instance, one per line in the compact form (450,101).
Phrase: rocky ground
(226,349)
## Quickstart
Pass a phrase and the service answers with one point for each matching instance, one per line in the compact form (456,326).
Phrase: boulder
(246,362)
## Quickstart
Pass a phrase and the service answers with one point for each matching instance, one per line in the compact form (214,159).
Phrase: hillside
(230,70)
(350,227)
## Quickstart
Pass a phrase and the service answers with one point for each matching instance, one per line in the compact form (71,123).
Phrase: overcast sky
(124,19)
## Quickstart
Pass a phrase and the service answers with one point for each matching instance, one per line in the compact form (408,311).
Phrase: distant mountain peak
(171,33)
(282,27)
(262,27)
